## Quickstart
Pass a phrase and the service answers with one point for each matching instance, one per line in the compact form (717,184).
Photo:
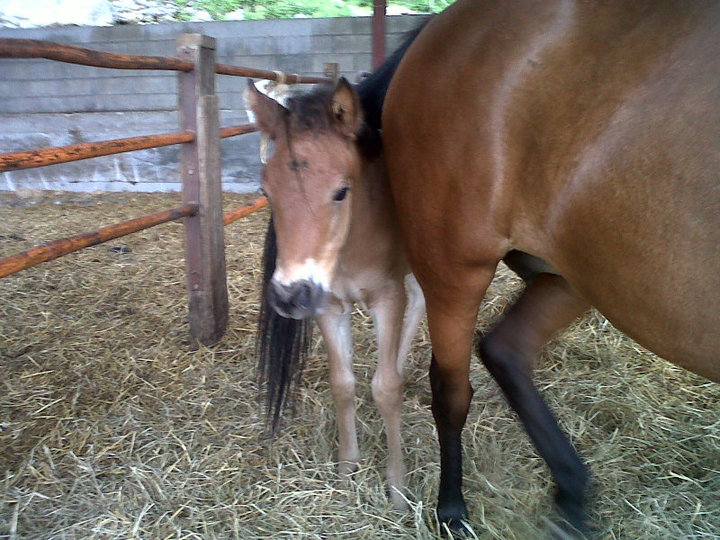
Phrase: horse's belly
(644,249)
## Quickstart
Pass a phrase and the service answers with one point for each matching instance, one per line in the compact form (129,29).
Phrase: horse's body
(338,245)
(580,142)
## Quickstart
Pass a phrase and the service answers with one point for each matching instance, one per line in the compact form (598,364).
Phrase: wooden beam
(234,215)
(378,33)
(290,78)
(242,129)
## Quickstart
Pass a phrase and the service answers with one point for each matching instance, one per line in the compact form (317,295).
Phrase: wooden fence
(200,136)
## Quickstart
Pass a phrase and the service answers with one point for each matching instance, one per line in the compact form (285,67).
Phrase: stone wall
(45,103)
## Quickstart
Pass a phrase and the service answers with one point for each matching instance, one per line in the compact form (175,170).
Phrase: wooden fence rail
(200,136)
(74,152)
(29,159)
(63,246)
(233,215)
(32,48)
(14,161)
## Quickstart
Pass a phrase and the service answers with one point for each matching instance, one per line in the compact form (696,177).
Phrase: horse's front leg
(387,385)
(335,328)
(452,308)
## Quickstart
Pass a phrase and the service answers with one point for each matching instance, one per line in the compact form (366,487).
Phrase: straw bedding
(112,427)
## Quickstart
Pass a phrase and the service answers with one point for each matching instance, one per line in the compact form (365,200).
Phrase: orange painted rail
(74,152)
(58,248)
(234,215)
(242,129)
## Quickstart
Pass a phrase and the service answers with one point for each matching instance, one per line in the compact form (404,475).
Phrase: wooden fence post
(331,70)
(200,162)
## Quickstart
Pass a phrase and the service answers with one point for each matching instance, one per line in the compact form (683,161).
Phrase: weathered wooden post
(331,70)
(200,162)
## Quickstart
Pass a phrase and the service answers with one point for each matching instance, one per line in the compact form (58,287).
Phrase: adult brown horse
(578,141)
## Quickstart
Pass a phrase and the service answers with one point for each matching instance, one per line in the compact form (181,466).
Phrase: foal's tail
(281,345)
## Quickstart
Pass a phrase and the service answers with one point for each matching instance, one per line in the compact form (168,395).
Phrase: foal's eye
(340,194)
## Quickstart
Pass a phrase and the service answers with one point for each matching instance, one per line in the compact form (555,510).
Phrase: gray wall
(45,103)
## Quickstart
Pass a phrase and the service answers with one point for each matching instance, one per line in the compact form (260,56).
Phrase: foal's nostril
(303,296)
(297,300)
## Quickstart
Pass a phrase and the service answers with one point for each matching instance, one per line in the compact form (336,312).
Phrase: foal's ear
(345,108)
(268,112)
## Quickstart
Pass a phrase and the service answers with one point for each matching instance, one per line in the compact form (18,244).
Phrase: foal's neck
(374,231)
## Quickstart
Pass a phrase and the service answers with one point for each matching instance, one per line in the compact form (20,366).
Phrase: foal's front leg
(335,328)
(387,384)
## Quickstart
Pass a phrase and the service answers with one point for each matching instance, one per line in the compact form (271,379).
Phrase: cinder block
(362,62)
(47,103)
(295,45)
(353,44)
(405,23)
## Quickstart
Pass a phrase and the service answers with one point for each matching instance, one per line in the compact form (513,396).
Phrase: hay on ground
(112,427)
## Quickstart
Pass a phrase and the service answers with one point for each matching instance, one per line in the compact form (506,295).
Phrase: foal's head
(309,181)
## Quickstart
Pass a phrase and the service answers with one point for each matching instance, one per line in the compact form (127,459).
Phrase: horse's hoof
(454,521)
(572,518)
(571,521)
(458,529)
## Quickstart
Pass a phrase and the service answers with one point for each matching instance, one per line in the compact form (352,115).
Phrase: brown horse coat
(580,141)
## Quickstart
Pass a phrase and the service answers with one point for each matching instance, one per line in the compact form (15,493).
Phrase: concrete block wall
(45,103)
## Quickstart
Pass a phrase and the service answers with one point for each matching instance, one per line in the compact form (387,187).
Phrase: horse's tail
(281,346)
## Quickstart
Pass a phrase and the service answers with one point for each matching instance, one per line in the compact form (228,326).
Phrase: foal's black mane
(282,345)
(373,89)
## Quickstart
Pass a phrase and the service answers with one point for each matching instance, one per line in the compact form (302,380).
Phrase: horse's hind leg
(546,306)
(387,384)
(335,328)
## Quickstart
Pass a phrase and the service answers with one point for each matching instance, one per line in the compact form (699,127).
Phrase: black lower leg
(569,472)
(449,420)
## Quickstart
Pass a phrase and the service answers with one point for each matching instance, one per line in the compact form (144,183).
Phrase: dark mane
(373,88)
(309,112)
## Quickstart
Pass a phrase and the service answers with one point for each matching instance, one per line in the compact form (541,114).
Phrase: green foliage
(420,6)
(217,8)
(284,9)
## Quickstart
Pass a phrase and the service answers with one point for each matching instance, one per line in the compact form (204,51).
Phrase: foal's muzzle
(298,300)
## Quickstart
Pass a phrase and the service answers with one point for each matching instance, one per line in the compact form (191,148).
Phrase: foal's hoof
(346,469)
(399,502)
